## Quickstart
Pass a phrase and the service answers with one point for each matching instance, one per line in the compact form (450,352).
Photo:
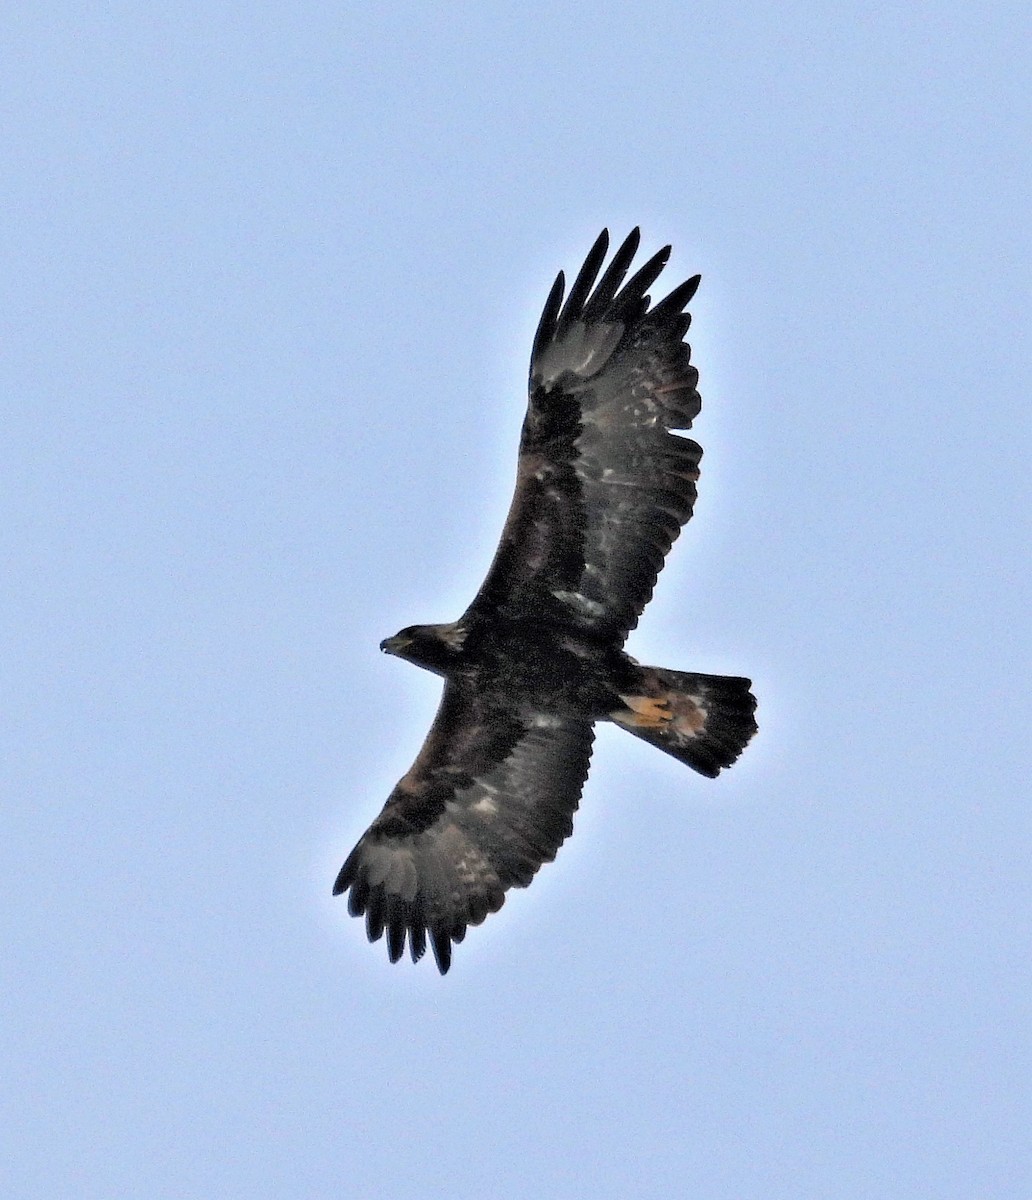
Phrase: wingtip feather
(549,316)
(441,944)
(585,281)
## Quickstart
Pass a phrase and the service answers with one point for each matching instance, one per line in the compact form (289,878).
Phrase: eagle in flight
(603,486)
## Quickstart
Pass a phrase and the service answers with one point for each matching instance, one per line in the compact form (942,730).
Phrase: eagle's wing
(490,797)
(603,485)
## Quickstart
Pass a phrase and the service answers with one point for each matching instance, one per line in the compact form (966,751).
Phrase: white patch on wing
(583,350)
(486,805)
(388,865)
(402,878)
(590,608)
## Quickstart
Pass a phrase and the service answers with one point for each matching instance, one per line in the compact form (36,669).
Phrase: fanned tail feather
(705,721)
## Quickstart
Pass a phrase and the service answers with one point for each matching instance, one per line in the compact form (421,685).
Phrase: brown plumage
(603,487)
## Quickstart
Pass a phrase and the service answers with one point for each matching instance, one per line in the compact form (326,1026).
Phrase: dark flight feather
(584,282)
(614,275)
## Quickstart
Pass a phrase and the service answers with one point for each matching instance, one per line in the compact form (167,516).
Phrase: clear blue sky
(269,277)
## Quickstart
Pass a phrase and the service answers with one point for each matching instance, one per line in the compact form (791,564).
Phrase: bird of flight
(603,486)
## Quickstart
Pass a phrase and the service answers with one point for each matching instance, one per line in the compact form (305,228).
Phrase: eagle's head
(438,648)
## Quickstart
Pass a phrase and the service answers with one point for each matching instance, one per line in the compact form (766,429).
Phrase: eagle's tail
(705,721)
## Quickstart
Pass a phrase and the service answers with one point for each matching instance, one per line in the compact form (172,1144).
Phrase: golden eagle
(603,487)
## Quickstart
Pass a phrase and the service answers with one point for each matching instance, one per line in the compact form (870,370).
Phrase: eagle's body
(603,488)
(535,664)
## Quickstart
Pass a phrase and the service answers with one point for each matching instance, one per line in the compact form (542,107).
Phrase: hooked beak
(394,645)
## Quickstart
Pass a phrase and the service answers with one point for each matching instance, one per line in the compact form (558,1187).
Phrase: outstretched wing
(603,485)
(490,797)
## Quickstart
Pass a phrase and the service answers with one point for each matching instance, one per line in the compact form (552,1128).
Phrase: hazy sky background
(269,277)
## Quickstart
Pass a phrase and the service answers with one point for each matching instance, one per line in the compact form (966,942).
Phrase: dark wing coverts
(603,485)
(488,800)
